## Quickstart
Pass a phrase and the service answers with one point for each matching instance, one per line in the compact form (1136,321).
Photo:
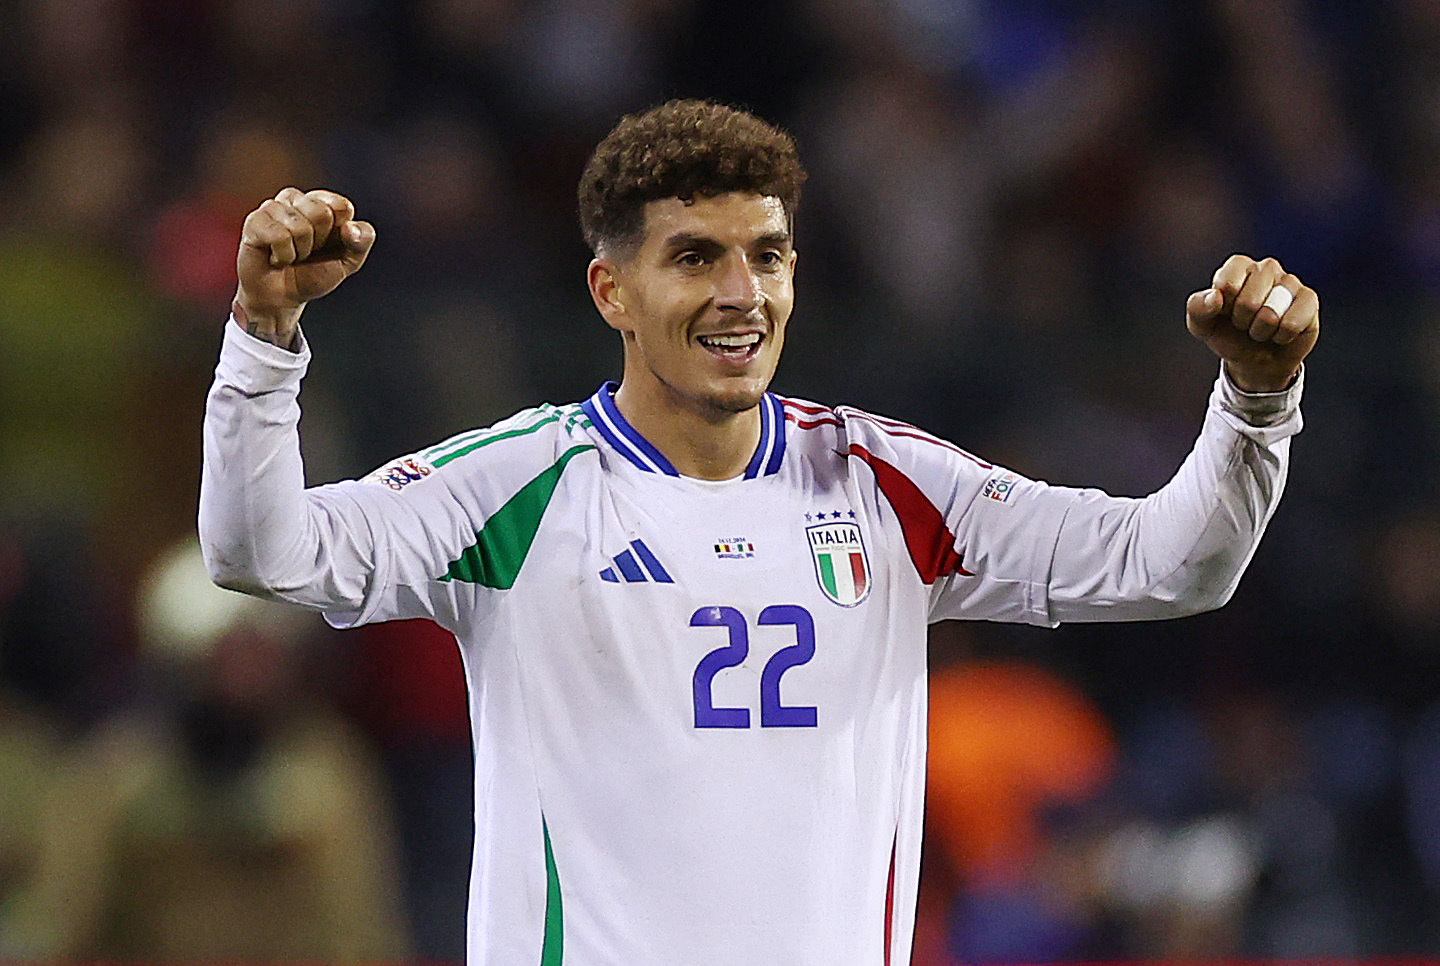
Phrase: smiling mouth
(732,346)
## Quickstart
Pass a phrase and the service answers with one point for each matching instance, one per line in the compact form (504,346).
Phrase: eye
(690,259)
(770,258)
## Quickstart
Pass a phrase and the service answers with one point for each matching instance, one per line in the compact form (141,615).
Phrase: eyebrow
(684,239)
(774,238)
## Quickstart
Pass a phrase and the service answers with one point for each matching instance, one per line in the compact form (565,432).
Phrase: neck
(701,442)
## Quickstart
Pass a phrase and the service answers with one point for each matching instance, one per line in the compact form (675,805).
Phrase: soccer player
(692,611)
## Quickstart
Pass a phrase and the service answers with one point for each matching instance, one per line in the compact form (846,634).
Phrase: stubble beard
(734,404)
(717,404)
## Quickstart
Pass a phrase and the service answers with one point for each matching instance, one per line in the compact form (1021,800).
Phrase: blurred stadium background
(1009,202)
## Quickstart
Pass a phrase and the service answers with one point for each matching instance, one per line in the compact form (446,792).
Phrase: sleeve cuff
(1259,408)
(255,366)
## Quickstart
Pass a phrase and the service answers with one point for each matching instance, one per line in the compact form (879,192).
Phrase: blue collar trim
(606,417)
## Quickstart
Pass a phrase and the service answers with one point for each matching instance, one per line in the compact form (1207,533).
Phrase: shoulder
(872,438)
(531,433)
(519,446)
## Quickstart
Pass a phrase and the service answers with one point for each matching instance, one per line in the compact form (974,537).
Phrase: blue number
(706,714)
(773,714)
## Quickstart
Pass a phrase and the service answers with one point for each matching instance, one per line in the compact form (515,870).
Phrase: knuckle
(282,214)
(266,231)
(312,209)
(334,205)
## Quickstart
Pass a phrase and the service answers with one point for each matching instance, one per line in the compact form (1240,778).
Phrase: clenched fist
(295,247)
(1259,319)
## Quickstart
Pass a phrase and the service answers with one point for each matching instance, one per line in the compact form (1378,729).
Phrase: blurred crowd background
(1009,202)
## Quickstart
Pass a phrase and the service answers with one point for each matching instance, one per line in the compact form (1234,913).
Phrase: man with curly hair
(692,611)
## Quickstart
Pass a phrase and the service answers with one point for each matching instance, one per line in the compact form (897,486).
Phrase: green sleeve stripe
(460,439)
(466,443)
(552,951)
(465,449)
(500,546)
(542,412)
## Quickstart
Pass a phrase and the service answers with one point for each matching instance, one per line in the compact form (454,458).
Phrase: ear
(603,279)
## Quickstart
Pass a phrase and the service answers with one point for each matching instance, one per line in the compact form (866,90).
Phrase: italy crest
(840,562)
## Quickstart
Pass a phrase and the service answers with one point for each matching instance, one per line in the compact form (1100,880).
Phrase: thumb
(357,237)
(1202,311)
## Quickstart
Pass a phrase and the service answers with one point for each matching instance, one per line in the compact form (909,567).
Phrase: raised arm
(1184,548)
(1025,550)
(260,532)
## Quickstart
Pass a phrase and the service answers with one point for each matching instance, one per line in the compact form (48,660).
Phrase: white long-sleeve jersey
(699,708)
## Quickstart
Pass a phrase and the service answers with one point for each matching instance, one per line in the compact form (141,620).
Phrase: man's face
(703,302)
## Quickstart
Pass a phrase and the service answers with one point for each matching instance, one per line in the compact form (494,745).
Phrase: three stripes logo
(636,566)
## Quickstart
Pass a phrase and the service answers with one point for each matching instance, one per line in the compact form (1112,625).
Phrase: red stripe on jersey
(885,420)
(894,427)
(890,901)
(810,423)
(811,410)
(930,542)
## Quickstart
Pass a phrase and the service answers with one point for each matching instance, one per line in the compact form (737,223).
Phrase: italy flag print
(840,563)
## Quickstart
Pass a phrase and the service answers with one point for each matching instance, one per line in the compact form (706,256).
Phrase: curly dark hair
(682,149)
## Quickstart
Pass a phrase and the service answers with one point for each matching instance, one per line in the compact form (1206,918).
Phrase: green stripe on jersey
(501,545)
(552,951)
(467,443)
(471,444)
(444,447)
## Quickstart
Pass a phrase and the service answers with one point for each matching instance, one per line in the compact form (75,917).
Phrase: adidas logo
(636,566)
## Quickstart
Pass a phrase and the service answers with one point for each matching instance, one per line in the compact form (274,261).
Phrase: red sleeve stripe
(929,540)
(896,428)
(810,423)
(893,427)
(809,410)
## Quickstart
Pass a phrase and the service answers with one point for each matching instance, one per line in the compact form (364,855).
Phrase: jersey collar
(605,416)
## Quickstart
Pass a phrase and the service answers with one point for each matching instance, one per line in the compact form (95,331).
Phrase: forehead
(730,218)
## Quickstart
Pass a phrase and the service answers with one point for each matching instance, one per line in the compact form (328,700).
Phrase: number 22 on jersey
(773,714)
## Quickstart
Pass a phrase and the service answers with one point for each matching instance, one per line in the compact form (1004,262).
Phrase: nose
(736,287)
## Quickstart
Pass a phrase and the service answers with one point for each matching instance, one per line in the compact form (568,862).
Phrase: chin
(738,402)
(737,398)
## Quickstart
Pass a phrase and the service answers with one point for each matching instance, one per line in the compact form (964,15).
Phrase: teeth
(731,341)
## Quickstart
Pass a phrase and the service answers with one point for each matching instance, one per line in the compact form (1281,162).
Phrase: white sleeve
(1182,549)
(332,547)
(1086,556)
